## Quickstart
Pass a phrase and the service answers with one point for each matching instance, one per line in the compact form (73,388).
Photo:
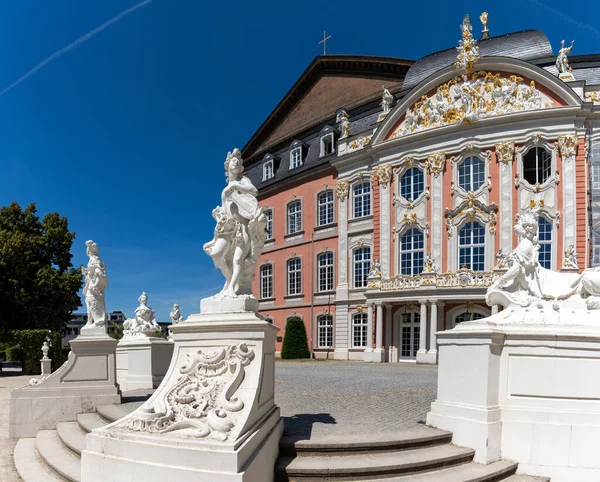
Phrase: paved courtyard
(331,397)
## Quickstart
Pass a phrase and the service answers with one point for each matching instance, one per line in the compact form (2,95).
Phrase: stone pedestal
(142,362)
(46,364)
(213,418)
(523,392)
(375,355)
(87,379)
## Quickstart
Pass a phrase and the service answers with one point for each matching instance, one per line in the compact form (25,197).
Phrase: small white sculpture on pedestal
(240,232)
(562,62)
(96,282)
(387,99)
(176,317)
(570,259)
(144,323)
(45,349)
(344,119)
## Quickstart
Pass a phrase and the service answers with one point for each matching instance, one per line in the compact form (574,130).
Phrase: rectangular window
(326,208)
(325,269)
(294,217)
(269,227)
(296,158)
(362,264)
(266,281)
(545,242)
(595,176)
(268,170)
(327,145)
(471,251)
(362,199)
(294,276)
(325,331)
(359,330)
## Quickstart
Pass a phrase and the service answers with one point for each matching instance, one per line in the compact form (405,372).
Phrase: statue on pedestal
(175,314)
(144,323)
(562,61)
(386,100)
(240,232)
(96,282)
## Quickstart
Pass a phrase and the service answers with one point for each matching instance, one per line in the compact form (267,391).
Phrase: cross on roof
(324,42)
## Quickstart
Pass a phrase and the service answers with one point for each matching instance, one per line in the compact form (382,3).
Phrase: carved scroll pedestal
(523,392)
(213,418)
(142,362)
(86,380)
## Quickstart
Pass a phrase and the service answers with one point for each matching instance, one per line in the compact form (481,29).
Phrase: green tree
(38,284)
(295,343)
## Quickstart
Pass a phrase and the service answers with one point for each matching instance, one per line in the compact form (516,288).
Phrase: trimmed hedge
(31,342)
(15,354)
(295,342)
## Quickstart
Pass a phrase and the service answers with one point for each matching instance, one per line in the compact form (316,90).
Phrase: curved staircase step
(472,472)
(419,436)
(29,466)
(526,478)
(368,465)
(90,421)
(72,436)
(57,456)
(112,413)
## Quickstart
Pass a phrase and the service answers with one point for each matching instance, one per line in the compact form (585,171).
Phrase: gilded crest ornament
(428,266)
(593,97)
(342,188)
(468,51)
(505,152)
(436,163)
(384,174)
(570,258)
(567,145)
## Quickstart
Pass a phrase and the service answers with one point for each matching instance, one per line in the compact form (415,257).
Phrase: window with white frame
(359,330)
(412,252)
(467,316)
(268,170)
(266,281)
(327,144)
(545,242)
(296,158)
(325,331)
(269,226)
(325,208)
(294,276)
(294,217)
(471,246)
(362,263)
(595,176)
(412,184)
(537,165)
(362,199)
(325,271)
(471,174)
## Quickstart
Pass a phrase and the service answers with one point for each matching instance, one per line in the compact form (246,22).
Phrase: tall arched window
(362,263)
(269,227)
(325,331)
(537,165)
(412,184)
(545,242)
(362,199)
(412,252)
(325,271)
(294,211)
(266,281)
(294,275)
(471,246)
(359,330)
(471,174)
(325,208)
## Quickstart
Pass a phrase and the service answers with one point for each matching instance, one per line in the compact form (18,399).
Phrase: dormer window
(327,144)
(268,170)
(296,158)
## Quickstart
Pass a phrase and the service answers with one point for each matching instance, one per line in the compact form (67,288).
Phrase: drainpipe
(312,292)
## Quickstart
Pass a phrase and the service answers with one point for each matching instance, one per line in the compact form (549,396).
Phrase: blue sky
(125,133)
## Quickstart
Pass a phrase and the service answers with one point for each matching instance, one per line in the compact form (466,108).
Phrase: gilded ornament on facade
(567,146)
(359,143)
(570,258)
(428,266)
(505,152)
(384,174)
(593,97)
(435,163)
(341,190)
(410,218)
(535,139)
(468,51)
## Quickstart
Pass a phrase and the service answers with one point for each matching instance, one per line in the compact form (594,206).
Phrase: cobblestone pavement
(337,398)
(11,378)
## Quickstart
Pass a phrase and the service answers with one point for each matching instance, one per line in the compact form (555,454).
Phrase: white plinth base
(427,357)
(376,355)
(213,418)
(142,362)
(87,379)
(340,354)
(525,393)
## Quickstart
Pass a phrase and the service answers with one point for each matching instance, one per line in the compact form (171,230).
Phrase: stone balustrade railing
(463,278)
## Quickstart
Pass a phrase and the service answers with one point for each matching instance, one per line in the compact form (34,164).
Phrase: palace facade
(391,209)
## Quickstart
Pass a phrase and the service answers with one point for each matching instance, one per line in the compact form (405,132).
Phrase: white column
(506,214)
(384,228)
(377,354)
(341,294)
(422,331)
(569,206)
(370,327)
(494,309)
(433,328)
(379,330)
(388,332)
(438,230)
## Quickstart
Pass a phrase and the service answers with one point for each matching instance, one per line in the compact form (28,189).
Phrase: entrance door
(409,335)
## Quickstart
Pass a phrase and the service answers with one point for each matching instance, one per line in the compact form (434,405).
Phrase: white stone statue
(570,259)
(562,61)
(144,323)
(375,271)
(344,120)
(386,100)
(45,350)
(93,289)
(175,315)
(240,233)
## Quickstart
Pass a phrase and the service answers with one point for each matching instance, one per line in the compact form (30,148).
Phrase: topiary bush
(15,354)
(295,342)
(31,342)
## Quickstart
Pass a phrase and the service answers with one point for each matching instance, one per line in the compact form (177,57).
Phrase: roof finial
(485,33)
(468,51)
(324,42)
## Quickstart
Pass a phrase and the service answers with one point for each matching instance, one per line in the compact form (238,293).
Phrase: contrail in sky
(77,43)
(567,17)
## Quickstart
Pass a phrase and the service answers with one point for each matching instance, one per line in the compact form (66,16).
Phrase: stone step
(72,435)
(90,421)
(362,466)
(57,456)
(112,413)
(472,472)
(28,463)
(419,436)
(526,478)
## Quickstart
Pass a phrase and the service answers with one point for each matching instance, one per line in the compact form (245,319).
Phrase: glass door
(409,335)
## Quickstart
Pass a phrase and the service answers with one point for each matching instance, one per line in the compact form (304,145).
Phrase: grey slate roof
(526,45)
